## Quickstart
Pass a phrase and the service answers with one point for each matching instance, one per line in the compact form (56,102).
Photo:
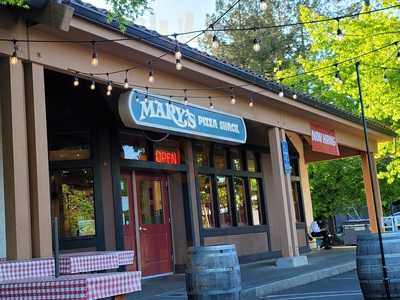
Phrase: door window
(126,214)
(151,202)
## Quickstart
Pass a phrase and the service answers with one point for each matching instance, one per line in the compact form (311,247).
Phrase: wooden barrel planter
(369,265)
(213,273)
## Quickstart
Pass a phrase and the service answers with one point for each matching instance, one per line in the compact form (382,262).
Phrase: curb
(264,290)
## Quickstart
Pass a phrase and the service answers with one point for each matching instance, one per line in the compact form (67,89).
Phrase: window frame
(230,173)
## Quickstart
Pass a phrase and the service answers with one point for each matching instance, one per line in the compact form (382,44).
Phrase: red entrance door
(154,224)
(128,220)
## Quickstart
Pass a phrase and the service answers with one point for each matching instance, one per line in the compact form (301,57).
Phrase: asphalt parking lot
(344,286)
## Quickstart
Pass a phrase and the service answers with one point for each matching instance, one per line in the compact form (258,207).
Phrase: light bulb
(281,94)
(178,54)
(339,35)
(93,85)
(294,96)
(256,45)
(108,93)
(95,60)
(109,87)
(211,105)
(145,98)
(178,64)
(14,58)
(186,100)
(151,77)
(233,100)
(251,103)
(126,83)
(215,42)
(338,78)
(263,5)
(76,81)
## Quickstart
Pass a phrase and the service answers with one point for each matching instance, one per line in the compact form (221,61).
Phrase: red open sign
(167,157)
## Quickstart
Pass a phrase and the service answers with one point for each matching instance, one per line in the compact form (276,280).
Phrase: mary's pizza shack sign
(324,140)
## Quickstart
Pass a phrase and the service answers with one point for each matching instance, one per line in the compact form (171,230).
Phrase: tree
(122,11)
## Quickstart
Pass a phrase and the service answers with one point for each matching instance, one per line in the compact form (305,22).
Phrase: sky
(171,16)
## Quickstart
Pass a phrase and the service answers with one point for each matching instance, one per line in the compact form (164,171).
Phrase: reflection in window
(223,200)
(255,201)
(219,158)
(151,202)
(73,201)
(240,201)
(126,215)
(206,201)
(201,154)
(69,146)
(133,147)
(236,160)
(251,162)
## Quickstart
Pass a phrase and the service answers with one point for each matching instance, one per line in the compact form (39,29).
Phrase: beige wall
(301,237)
(246,244)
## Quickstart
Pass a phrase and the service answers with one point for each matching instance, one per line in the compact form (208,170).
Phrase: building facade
(141,169)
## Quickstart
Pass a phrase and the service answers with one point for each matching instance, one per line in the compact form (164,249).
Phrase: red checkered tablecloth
(19,269)
(77,287)
(84,262)
(126,257)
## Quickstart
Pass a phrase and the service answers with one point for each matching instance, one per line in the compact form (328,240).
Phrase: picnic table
(34,279)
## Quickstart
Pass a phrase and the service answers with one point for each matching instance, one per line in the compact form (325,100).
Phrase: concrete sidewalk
(261,278)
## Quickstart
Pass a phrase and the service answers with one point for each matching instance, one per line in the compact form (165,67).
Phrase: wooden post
(369,195)
(15,158)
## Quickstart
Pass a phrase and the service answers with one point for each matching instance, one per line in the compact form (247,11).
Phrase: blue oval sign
(162,113)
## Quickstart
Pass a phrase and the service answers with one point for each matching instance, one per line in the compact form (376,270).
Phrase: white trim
(158,275)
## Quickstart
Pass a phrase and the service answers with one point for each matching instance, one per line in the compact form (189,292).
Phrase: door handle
(142,228)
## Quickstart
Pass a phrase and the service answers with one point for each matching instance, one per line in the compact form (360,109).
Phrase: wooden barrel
(213,273)
(369,265)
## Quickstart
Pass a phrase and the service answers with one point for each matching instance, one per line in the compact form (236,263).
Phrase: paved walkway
(261,278)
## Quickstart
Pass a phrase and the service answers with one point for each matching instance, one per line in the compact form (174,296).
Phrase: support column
(368,192)
(15,155)
(38,160)
(282,219)
(191,183)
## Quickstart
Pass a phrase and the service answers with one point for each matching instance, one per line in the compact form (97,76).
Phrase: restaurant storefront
(139,169)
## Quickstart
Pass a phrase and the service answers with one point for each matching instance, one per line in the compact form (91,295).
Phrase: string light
(211,103)
(95,61)
(178,53)
(146,95)
(256,45)
(93,84)
(385,78)
(263,5)
(126,82)
(185,99)
(178,64)
(281,94)
(338,78)
(76,81)
(251,103)
(294,96)
(109,85)
(233,99)
(215,42)
(339,32)
(13,57)
(108,93)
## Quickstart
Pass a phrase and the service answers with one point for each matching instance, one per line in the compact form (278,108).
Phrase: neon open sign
(167,157)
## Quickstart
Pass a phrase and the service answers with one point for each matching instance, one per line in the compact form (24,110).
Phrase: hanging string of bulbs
(215,44)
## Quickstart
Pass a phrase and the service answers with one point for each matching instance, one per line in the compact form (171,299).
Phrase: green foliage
(19,3)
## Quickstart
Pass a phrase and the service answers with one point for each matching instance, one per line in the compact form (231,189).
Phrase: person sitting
(317,230)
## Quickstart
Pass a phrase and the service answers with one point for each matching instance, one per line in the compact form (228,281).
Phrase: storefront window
(73,202)
(223,200)
(219,158)
(201,154)
(236,160)
(206,201)
(240,201)
(252,165)
(255,200)
(69,146)
(133,147)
